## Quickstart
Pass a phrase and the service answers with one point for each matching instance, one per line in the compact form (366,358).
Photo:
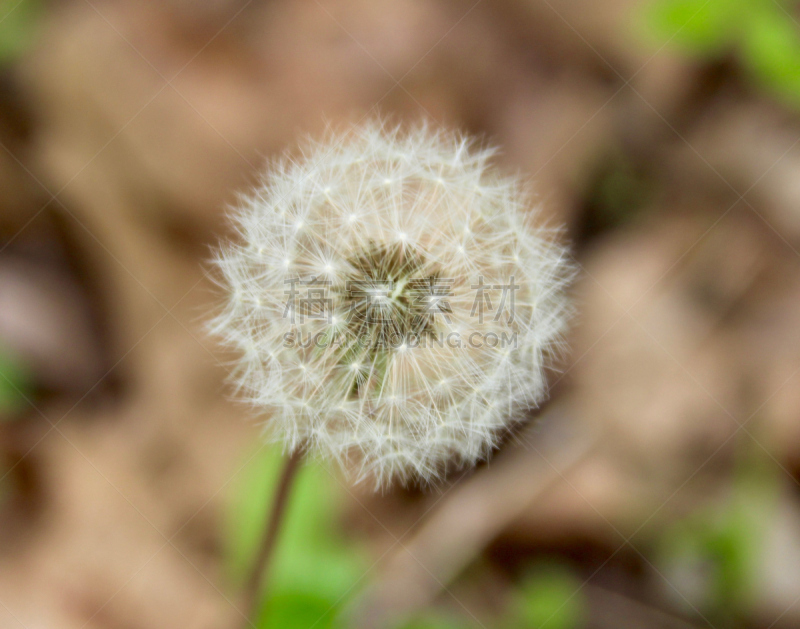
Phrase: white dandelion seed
(429,336)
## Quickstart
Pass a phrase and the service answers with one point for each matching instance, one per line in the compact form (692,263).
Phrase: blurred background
(658,487)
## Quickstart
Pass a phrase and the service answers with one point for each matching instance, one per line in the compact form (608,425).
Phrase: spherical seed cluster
(393,305)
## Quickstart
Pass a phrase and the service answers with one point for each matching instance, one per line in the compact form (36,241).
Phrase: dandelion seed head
(394,384)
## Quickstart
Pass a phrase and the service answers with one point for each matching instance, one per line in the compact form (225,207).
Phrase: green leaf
(18,20)
(703,27)
(550,597)
(295,610)
(722,543)
(771,50)
(14,385)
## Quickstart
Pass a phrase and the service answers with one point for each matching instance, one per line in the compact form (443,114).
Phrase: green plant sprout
(720,545)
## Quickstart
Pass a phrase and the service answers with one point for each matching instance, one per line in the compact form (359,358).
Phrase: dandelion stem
(256,583)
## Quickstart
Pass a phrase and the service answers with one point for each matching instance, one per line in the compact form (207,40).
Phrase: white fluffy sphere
(393,301)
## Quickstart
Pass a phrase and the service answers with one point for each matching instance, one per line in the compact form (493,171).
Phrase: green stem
(255,587)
